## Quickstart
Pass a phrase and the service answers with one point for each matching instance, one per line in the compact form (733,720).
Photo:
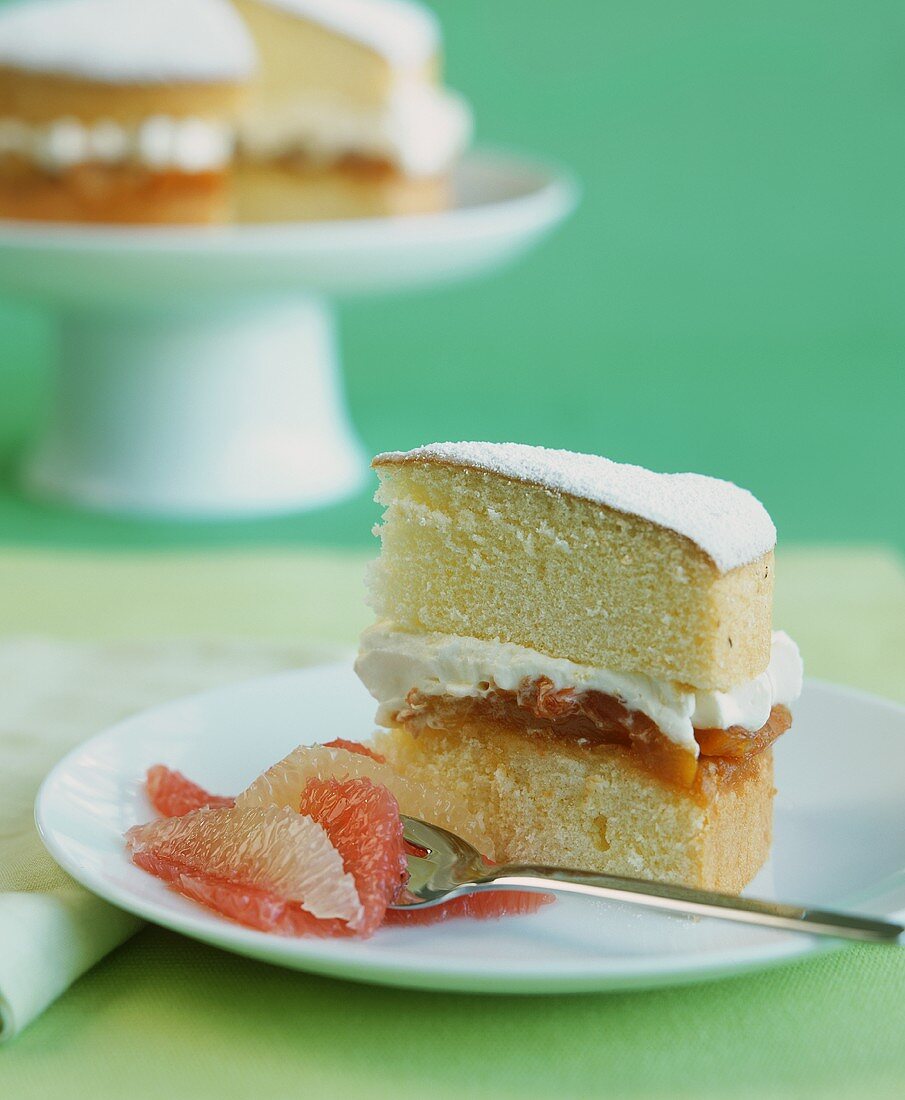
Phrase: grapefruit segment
(355,746)
(283,784)
(172,794)
(248,905)
(266,867)
(362,821)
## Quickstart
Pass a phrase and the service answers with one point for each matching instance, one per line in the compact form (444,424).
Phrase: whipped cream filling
(158,142)
(421,130)
(392,662)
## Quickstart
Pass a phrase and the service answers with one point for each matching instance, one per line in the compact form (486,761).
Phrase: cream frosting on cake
(391,663)
(728,523)
(404,34)
(127,41)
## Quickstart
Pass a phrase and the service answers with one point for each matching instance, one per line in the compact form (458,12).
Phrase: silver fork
(451,867)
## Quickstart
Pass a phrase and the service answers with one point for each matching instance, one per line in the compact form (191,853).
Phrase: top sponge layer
(730,525)
(577,557)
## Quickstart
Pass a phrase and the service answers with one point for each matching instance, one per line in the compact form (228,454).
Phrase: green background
(728,297)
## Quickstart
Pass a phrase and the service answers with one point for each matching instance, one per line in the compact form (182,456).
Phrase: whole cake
(119,110)
(582,652)
(203,110)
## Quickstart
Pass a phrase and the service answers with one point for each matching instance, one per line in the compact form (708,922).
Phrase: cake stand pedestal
(234,409)
(198,372)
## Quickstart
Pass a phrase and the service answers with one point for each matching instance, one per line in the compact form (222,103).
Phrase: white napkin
(54,694)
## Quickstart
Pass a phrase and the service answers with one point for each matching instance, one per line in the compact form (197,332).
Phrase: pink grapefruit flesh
(489,906)
(355,746)
(268,868)
(172,794)
(361,818)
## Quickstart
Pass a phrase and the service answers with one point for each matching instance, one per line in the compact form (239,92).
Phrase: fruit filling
(589,717)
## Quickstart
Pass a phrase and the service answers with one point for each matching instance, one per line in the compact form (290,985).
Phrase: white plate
(840,840)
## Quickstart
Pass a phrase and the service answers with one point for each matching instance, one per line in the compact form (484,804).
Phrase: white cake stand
(198,372)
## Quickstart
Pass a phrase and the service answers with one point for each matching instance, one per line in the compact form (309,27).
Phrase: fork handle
(684,899)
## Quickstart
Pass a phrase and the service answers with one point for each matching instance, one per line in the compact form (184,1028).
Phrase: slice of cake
(119,110)
(582,651)
(347,117)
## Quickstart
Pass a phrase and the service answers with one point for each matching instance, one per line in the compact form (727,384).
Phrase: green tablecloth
(164,1016)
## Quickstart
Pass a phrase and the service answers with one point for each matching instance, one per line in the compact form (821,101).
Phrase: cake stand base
(199,374)
(232,410)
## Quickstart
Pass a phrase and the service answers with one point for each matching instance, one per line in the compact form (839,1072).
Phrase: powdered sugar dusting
(729,524)
(127,41)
